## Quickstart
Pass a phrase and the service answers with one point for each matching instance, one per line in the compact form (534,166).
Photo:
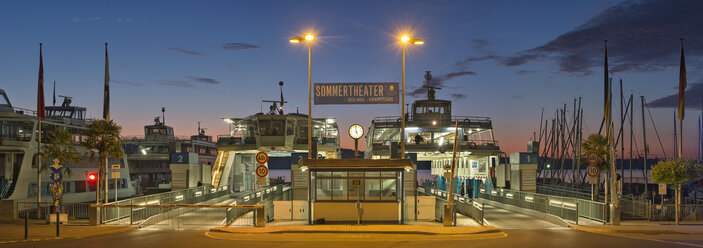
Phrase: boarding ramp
(463,205)
(204,206)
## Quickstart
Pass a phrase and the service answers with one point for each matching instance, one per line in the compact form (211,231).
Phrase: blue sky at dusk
(204,60)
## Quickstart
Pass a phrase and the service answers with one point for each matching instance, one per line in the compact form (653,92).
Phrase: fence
(630,208)
(177,209)
(139,214)
(462,205)
(34,210)
(563,207)
(667,212)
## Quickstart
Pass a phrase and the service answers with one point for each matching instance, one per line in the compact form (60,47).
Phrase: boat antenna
(430,89)
(163,114)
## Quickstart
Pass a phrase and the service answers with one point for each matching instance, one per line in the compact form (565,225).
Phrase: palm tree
(103,136)
(60,147)
(596,143)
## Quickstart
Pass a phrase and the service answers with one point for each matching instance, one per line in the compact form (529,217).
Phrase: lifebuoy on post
(472,145)
(466,120)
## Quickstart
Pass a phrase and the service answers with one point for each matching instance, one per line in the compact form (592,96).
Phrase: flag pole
(40,116)
(106,116)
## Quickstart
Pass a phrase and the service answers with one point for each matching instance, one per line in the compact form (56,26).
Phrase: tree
(60,147)
(596,143)
(103,136)
(676,172)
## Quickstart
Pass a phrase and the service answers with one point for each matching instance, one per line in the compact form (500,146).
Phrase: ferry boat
(153,157)
(429,136)
(18,155)
(277,134)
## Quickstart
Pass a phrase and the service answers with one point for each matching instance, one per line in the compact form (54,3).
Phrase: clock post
(355,132)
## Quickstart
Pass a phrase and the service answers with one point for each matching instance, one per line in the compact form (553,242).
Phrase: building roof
(357,163)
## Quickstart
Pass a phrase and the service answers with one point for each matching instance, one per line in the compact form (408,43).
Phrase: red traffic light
(92,177)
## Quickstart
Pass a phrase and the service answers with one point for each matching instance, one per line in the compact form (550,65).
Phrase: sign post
(262,171)
(116,175)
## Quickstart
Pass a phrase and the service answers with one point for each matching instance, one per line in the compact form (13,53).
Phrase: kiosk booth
(360,190)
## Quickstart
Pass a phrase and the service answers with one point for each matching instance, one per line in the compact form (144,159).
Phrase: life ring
(472,145)
(467,120)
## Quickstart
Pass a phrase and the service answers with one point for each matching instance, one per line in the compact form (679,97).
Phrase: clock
(356,131)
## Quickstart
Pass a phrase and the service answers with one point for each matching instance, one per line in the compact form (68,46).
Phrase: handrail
(172,205)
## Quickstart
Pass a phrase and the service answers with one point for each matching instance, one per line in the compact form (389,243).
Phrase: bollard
(26,226)
(259,217)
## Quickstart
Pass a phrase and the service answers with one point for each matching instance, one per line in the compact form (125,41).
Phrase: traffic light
(92,177)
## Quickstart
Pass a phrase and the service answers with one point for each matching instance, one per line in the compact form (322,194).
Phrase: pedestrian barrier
(34,210)
(462,205)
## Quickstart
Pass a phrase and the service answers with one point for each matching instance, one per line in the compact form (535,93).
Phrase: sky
(507,60)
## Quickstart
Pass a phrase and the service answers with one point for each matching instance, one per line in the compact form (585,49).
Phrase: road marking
(369,238)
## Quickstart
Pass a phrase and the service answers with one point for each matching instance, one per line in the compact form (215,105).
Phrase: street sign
(592,180)
(115,174)
(262,157)
(592,158)
(662,189)
(115,166)
(592,170)
(261,180)
(262,171)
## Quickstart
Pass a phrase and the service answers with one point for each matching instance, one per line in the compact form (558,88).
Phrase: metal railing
(40,211)
(178,208)
(667,212)
(183,196)
(631,208)
(462,205)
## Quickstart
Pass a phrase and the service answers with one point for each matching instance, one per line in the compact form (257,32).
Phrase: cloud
(515,97)
(184,51)
(524,72)
(642,36)
(176,83)
(439,81)
(123,19)
(190,82)
(458,96)
(692,98)
(205,80)
(239,46)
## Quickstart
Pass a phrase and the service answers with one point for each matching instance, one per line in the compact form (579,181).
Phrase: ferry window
(80,186)
(16,130)
(419,110)
(290,127)
(67,187)
(3,100)
(92,186)
(271,127)
(324,189)
(440,110)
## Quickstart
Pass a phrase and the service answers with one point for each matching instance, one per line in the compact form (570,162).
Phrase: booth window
(337,186)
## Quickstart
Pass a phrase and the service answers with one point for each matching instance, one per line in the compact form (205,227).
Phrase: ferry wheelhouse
(153,156)
(429,136)
(277,134)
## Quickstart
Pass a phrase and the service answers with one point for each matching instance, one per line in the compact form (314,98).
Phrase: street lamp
(309,39)
(405,39)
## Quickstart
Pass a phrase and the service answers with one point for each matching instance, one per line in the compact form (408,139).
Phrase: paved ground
(39,230)
(517,230)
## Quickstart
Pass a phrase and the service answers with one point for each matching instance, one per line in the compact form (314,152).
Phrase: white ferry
(18,156)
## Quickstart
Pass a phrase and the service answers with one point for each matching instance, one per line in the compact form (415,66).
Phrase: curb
(486,230)
(72,237)
(630,231)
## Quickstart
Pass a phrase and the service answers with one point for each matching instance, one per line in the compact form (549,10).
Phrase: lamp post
(405,39)
(309,39)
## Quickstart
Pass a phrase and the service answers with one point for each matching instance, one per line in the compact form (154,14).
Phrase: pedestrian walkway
(13,232)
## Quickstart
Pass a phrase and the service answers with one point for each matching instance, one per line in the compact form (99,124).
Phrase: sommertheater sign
(356,93)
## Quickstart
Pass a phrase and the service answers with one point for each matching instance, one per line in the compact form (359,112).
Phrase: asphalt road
(518,231)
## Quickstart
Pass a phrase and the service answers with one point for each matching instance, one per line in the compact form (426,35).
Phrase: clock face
(356,131)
